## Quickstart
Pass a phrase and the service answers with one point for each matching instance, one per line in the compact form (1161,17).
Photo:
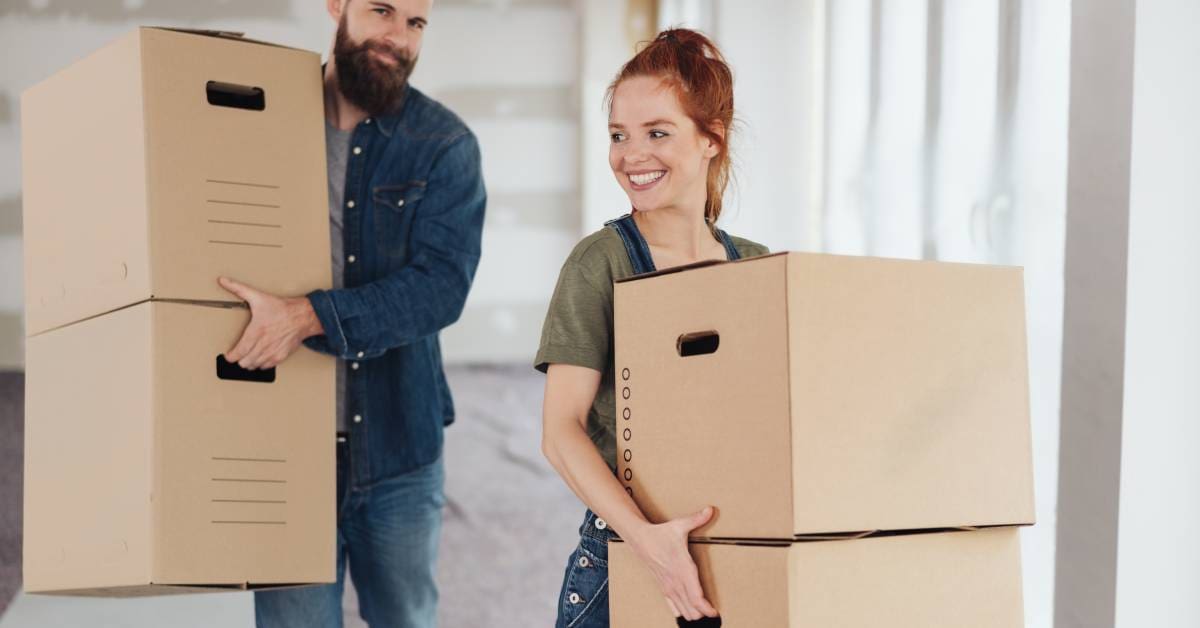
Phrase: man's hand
(277,326)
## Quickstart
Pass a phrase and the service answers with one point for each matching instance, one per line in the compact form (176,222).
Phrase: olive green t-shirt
(579,323)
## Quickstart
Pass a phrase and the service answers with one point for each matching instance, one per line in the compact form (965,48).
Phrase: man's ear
(336,8)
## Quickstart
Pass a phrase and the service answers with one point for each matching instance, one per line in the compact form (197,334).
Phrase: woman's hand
(663,549)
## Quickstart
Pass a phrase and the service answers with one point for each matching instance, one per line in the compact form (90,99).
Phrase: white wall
(508,67)
(511,70)
(1130,476)
(771,53)
(1158,552)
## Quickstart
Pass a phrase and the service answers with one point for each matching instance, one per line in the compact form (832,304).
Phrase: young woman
(670,113)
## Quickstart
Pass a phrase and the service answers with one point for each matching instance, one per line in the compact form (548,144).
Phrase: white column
(1158,549)
(1094,311)
(1129,492)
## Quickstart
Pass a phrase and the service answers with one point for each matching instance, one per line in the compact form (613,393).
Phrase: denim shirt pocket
(395,206)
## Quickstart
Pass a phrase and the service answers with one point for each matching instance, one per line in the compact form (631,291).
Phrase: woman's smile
(645,179)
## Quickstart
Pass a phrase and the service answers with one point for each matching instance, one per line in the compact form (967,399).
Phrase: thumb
(698,518)
(241,290)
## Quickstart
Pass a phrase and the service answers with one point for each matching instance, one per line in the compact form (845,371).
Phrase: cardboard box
(164,160)
(147,471)
(946,579)
(807,394)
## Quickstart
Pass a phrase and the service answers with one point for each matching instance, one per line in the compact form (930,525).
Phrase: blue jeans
(388,531)
(583,600)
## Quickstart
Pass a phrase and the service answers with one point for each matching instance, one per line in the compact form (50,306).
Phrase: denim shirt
(413,218)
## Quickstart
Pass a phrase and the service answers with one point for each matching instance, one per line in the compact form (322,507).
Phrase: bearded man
(406,206)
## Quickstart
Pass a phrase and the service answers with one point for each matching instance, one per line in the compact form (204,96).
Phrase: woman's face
(656,152)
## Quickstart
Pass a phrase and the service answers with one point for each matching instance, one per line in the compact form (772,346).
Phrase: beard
(366,81)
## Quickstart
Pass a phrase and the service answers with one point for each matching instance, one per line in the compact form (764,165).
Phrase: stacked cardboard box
(152,167)
(846,416)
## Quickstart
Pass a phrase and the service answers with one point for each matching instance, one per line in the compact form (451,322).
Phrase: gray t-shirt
(337,152)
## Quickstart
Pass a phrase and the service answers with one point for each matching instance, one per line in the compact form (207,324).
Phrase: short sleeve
(578,325)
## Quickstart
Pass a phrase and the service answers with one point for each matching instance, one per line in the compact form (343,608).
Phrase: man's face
(377,45)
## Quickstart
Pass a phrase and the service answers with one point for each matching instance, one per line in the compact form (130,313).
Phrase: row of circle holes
(627,454)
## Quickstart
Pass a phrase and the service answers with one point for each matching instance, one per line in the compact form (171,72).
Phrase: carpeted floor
(12,439)
(510,523)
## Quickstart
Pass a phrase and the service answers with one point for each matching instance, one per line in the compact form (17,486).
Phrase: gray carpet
(510,523)
(12,440)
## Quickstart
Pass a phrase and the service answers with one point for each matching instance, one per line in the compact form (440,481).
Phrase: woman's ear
(711,147)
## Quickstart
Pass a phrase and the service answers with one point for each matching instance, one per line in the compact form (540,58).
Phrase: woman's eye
(616,137)
(657,135)
(381,11)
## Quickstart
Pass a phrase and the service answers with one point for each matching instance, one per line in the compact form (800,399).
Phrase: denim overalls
(583,600)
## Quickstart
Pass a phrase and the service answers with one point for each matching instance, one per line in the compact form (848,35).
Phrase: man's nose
(397,36)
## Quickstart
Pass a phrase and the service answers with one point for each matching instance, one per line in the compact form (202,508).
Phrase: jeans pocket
(585,590)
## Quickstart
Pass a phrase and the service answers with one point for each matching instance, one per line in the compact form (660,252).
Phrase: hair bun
(690,41)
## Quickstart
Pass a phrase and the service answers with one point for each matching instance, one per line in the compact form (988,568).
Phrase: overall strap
(730,250)
(635,244)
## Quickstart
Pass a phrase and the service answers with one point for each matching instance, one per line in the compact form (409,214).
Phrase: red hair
(692,65)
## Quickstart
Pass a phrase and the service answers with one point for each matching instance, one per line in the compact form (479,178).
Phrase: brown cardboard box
(844,394)
(145,175)
(945,579)
(145,470)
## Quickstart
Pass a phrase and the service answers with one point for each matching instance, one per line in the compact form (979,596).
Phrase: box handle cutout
(236,96)
(703,622)
(231,371)
(698,343)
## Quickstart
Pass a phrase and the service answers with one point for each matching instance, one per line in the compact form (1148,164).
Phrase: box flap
(700,264)
(235,35)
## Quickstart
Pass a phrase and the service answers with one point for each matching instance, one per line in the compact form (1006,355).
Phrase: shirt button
(351,259)
(354,366)
(574,598)
(358,418)
(583,561)
(400,203)
(350,204)
(357,150)
(361,354)
(600,524)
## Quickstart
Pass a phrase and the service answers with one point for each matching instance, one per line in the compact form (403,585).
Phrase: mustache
(398,55)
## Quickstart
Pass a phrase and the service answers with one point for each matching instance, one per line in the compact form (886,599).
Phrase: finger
(695,594)
(689,612)
(275,360)
(671,605)
(240,290)
(679,595)
(243,347)
(251,358)
(697,519)
(259,356)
